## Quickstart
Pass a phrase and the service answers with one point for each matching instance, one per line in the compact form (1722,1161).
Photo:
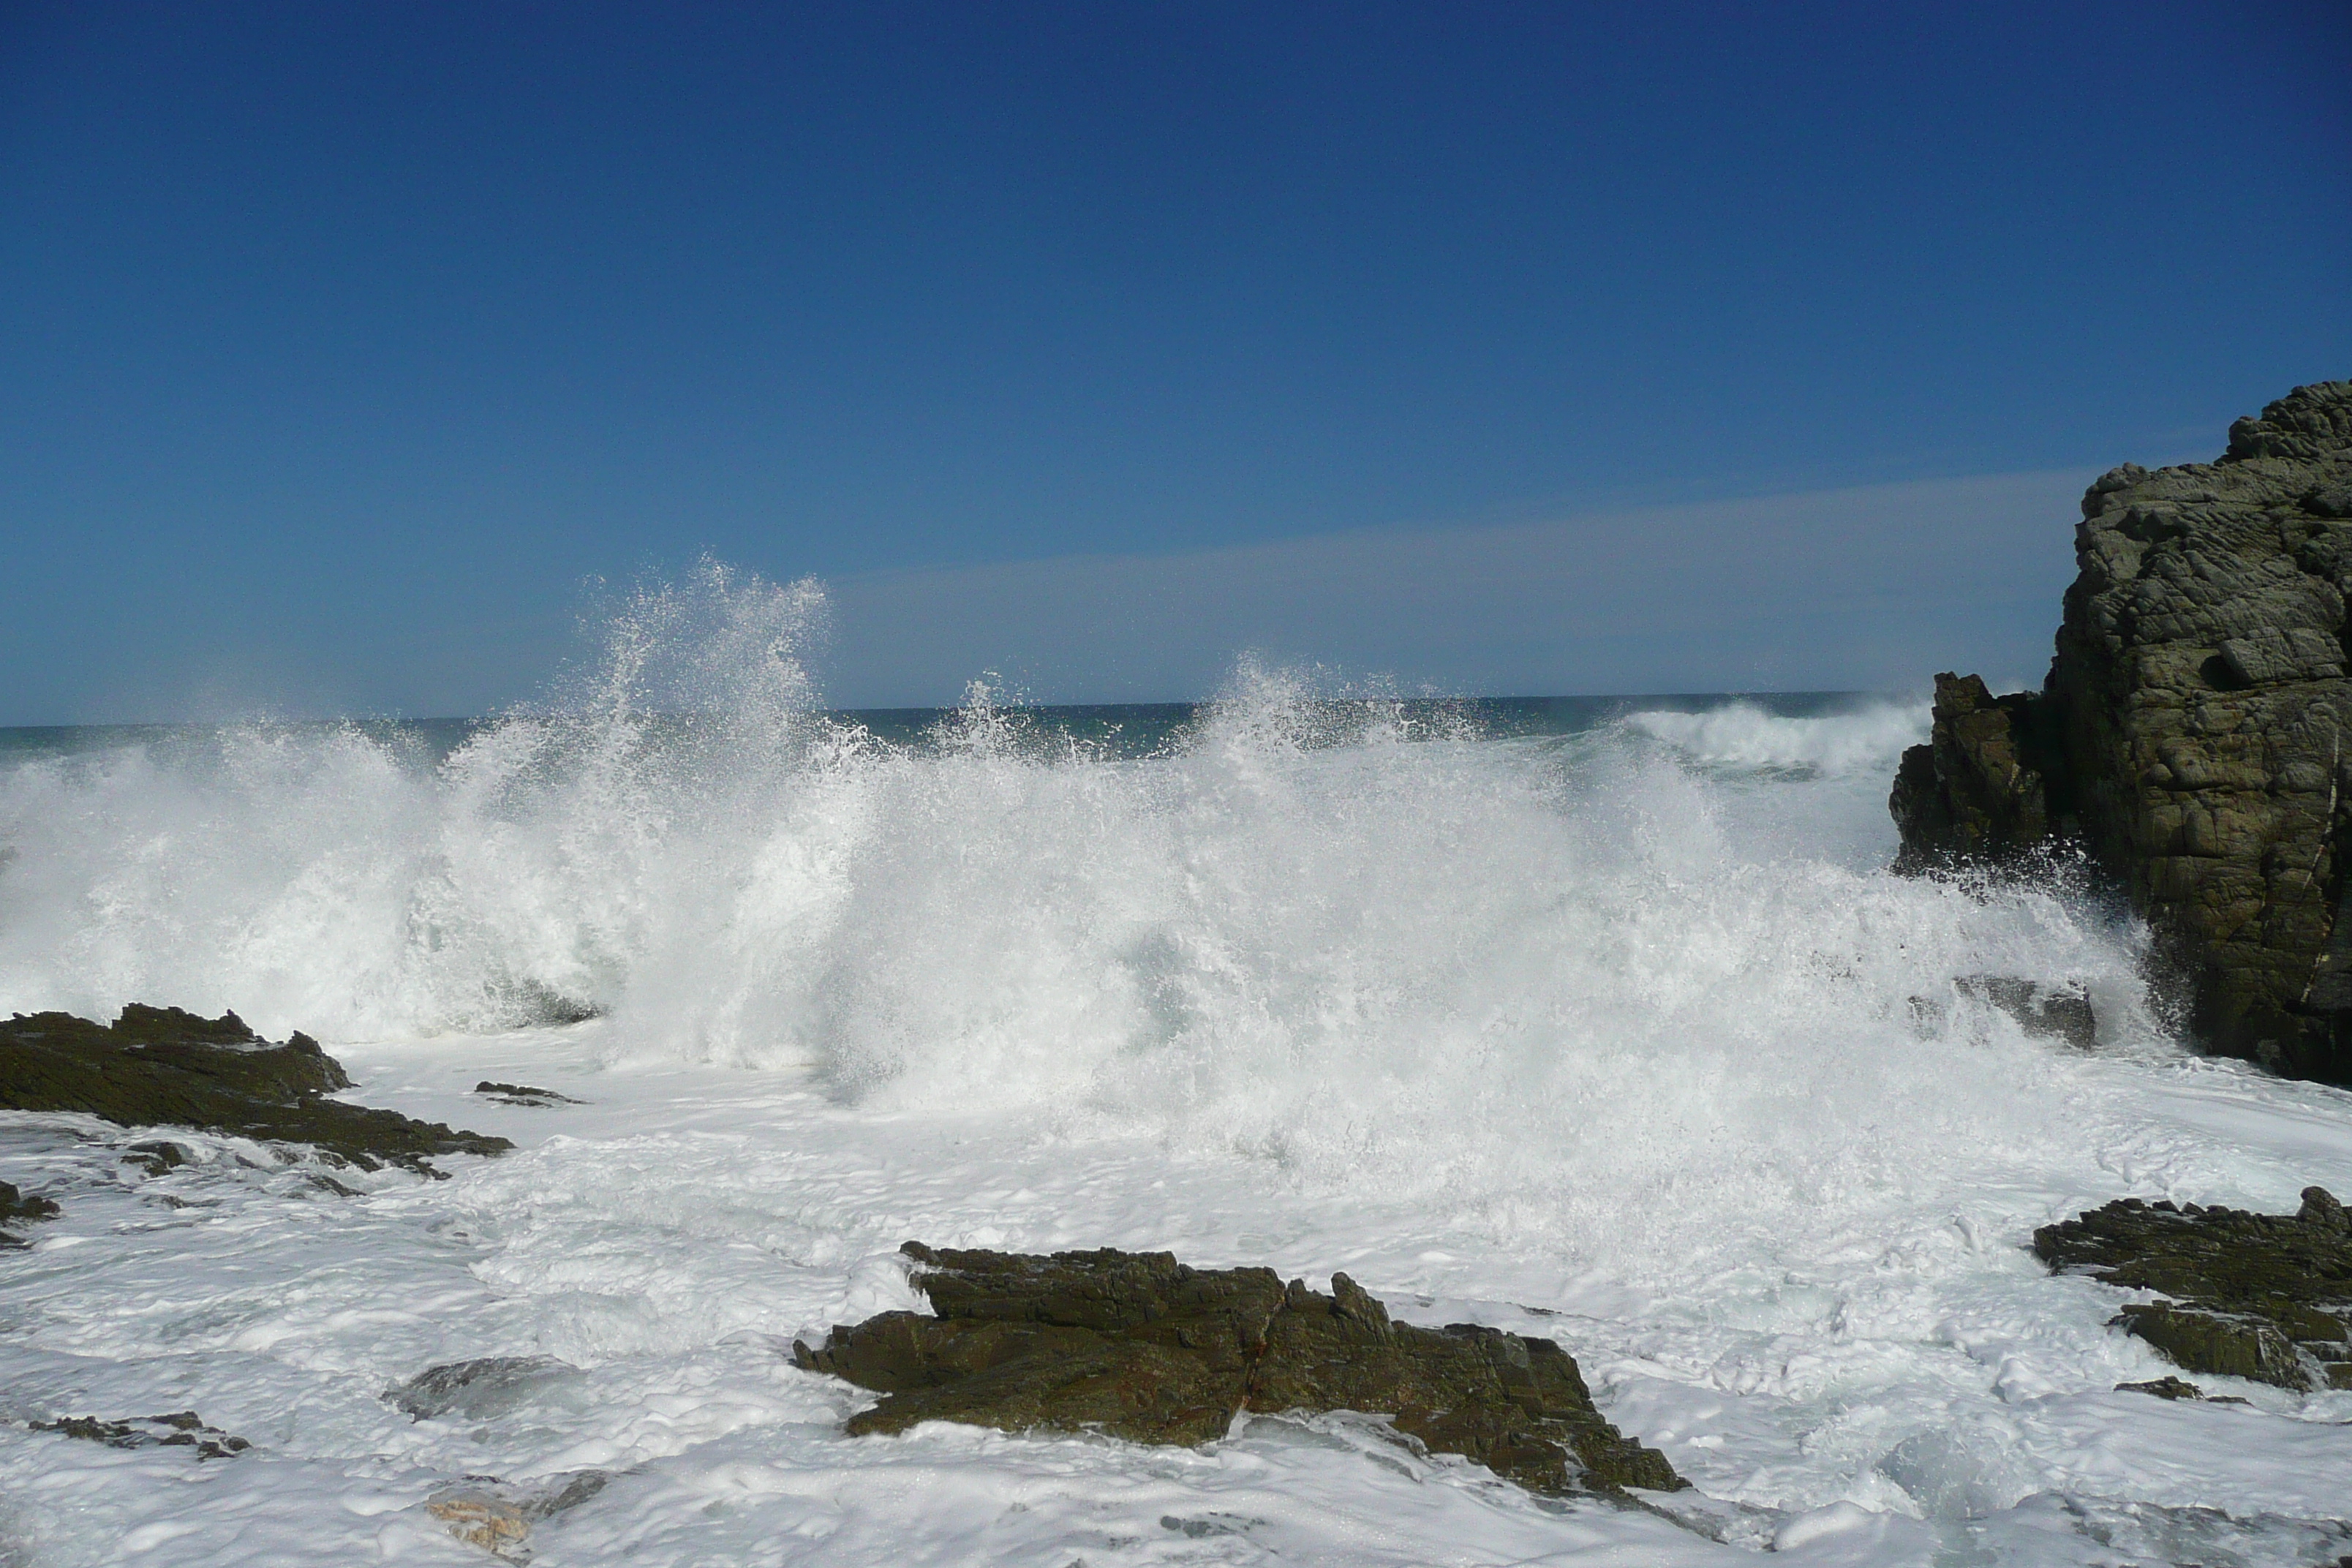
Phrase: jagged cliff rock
(2192,733)
(1987,786)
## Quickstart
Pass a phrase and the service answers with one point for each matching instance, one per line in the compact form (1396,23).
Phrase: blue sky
(339,344)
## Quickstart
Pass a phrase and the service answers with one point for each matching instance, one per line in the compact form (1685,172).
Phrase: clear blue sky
(340,343)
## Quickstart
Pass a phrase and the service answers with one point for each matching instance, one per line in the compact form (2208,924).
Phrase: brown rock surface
(1138,1345)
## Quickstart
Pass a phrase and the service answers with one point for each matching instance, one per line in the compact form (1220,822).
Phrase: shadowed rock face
(163,1068)
(2192,733)
(2267,1297)
(1139,1346)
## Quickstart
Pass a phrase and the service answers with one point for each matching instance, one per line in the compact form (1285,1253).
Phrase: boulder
(2190,736)
(2265,1297)
(1139,1346)
(159,1067)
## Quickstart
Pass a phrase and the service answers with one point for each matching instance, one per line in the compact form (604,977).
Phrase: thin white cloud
(1875,588)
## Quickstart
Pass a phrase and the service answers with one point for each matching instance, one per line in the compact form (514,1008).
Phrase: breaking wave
(1551,972)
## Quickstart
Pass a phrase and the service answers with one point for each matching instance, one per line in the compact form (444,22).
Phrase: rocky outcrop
(2266,1297)
(2190,736)
(159,1067)
(1981,789)
(1137,1345)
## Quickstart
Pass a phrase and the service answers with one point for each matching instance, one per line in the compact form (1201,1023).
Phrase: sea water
(1594,1019)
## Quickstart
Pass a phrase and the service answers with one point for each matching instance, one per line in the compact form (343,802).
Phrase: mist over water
(1647,968)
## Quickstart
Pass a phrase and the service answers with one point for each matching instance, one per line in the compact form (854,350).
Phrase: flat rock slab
(2260,1296)
(159,1067)
(1141,1347)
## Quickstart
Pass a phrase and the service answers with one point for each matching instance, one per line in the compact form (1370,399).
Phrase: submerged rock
(523,1094)
(183,1429)
(2190,735)
(489,1386)
(1139,1346)
(18,1209)
(2265,1297)
(485,1511)
(2046,1011)
(162,1067)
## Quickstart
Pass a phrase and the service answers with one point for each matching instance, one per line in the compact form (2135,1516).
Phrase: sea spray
(1628,980)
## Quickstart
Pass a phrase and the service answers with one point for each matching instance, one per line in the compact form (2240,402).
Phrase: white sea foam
(1628,1024)
(1743,735)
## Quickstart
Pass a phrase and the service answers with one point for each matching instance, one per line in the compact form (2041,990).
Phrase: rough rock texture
(161,1067)
(2267,1297)
(1980,789)
(1139,1346)
(2191,732)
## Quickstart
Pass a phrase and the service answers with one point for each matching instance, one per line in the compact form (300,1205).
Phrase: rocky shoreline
(1139,1346)
(159,1067)
(2191,738)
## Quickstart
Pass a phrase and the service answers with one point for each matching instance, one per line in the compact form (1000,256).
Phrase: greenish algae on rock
(2258,1296)
(159,1067)
(1139,1346)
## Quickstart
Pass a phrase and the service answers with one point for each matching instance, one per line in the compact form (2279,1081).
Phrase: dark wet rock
(2190,736)
(2164,1388)
(2265,1297)
(489,1386)
(1139,1346)
(523,1094)
(158,1158)
(183,1429)
(2046,1011)
(159,1067)
(497,1516)
(2178,1388)
(19,1209)
(1981,790)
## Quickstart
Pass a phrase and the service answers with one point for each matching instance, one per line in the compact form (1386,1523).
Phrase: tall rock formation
(2193,733)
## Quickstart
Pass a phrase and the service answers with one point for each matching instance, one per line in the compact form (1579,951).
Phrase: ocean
(1599,1019)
